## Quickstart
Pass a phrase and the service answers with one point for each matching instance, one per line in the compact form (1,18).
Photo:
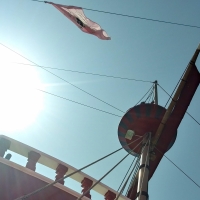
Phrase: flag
(77,16)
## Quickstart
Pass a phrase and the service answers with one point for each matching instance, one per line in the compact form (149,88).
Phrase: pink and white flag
(77,16)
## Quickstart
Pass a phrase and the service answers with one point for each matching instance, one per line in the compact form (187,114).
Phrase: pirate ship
(147,131)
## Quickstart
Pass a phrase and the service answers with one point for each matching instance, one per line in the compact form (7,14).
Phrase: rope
(122,189)
(135,17)
(51,184)
(108,171)
(150,95)
(126,174)
(133,179)
(79,103)
(89,73)
(63,79)
(179,169)
(144,96)
(68,81)
(177,85)
(186,112)
(193,118)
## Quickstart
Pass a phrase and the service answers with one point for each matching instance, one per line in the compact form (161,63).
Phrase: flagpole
(156,92)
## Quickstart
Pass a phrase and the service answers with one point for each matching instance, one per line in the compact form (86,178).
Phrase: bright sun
(20,101)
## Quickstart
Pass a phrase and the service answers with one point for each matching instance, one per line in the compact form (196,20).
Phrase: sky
(138,49)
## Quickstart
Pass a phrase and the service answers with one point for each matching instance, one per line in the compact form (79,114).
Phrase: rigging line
(103,176)
(81,72)
(193,118)
(177,84)
(133,179)
(134,168)
(122,189)
(64,80)
(144,18)
(151,99)
(150,94)
(179,168)
(127,173)
(66,176)
(144,96)
(135,17)
(109,171)
(153,96)
(172,92)
(172,99)
(79,103)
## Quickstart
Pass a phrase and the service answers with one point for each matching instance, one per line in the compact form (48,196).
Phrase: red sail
(176,116)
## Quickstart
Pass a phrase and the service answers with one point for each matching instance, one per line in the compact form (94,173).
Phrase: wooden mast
(156,92)
(143,173)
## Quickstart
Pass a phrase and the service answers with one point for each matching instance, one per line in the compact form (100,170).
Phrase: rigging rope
(79,103)
(74,86)
(109,171)
(172,99)
(122,189)
(51,184)
(63,79)
(89,73)
(143,96)
(133,178)
(193,118)
(176,85)
(127,173)
(150,95)
(179,168)
(136,17)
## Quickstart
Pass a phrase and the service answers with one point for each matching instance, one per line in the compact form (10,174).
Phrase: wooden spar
(156,92)
(174,99)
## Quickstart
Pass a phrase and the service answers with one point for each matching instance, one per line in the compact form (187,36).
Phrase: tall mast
(156,92)
(143,174)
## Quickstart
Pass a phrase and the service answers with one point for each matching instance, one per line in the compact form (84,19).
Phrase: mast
(156,92)
(143,174)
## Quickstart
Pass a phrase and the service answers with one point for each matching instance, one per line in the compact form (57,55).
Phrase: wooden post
(86,184)
(61,171)
(156,92)
(110,195)
(8,156)
(33,157)
(4,146)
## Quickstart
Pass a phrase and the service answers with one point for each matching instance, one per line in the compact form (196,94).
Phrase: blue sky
(138,49)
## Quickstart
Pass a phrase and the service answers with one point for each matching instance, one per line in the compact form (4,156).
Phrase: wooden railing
(34,156)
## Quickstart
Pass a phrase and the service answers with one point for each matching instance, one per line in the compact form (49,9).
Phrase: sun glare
(20,101)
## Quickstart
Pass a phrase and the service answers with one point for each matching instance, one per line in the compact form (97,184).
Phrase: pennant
(77,16)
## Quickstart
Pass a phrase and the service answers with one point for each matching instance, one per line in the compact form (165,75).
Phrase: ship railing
(61,168)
